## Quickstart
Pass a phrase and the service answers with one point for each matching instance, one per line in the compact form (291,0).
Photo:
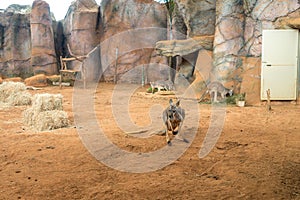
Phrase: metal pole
(116,66)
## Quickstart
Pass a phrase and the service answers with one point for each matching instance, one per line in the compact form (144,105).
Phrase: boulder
(43,56)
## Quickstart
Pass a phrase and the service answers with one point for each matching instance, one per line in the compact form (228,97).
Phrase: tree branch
(79,58)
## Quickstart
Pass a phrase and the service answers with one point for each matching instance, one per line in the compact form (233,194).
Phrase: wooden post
(116,66)
(143,76)
(80,59)
(83,75)
(268,100)
(60,79)
(61,67)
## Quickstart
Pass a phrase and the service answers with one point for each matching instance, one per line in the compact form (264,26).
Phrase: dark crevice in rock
(249,5)
(2,38)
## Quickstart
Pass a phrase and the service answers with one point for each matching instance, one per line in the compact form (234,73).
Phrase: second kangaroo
(215,88)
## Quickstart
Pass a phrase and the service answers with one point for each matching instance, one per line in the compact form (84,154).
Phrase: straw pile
(39,80)
(14,94)
(46,112)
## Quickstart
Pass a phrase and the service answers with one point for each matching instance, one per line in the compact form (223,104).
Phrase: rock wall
(236,27)
(199,16)
(80,28)
(265,14)
(238,35)
(43,56)
(15,45)
(31,41)
(229,40)
(123,23)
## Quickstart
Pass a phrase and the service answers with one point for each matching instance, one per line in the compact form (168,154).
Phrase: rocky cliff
(43,56)
(79,28)
(130,30)
(226,35)
(15,41)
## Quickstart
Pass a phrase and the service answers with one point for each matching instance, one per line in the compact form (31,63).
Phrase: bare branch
(79,58)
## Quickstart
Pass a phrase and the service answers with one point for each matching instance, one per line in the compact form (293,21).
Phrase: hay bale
(46,112)
(46,102)
(19,99)
(39,80)
(14,94)
(6,88)
(13,79)
(46,120)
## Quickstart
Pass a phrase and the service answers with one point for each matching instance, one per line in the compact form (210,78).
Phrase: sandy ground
(256,157)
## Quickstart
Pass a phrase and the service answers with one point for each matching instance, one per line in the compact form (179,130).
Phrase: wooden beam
(79,58)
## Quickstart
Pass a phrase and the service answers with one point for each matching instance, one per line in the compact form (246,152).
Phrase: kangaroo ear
(171,101)
(178,103)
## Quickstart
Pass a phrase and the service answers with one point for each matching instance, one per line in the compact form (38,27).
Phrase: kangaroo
(173,117)
(215,88)
(162,85)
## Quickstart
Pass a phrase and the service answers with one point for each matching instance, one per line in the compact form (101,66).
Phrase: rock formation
(43,56)
(80,28)
(130,29)
(184,47)
(264,14)
(226,35)
(199,16)
(15,45)
(228,42)
(236,26)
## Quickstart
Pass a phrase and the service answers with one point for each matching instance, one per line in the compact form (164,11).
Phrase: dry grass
(14,94)
(46,113)
(47,102)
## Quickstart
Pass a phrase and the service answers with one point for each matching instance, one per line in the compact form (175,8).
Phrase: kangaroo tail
(158,132)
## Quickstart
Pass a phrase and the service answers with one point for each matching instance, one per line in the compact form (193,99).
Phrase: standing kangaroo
(173,117)
(215,88)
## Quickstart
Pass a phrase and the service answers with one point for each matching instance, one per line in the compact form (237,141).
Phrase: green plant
(149,90)
(236,97)
(231,99)
(241,97)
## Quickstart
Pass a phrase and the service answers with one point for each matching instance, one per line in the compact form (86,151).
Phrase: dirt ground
(256,157)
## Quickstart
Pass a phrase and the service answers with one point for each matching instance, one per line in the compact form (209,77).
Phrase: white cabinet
(279,68)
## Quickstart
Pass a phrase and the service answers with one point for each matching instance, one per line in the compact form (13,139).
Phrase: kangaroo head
(173,109)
